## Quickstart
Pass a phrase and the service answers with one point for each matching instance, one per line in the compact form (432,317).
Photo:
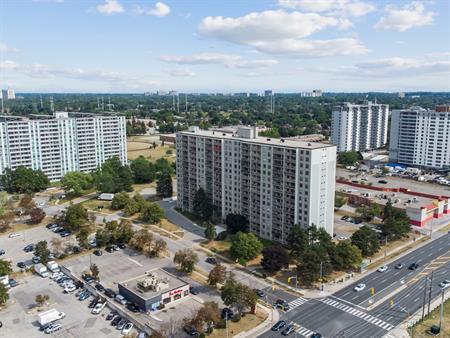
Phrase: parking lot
(78,322)
(14,246)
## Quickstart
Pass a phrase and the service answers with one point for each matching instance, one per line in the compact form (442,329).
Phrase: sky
(131,46)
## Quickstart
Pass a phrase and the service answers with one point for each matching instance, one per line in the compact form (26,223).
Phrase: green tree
(210,231)
(164,185)
(186,260)
(217,274)
(339,201)
(5,267)
(75,183)
(42,251)
(366,239)
(3,201)
(368,212)
(74,217)
(236,223)
(202,205)
(308,266)
(396,223)
(151,213)
(349,158)
(120,200)
(24,180)
(159,246)
(4,296)
(274,258)
(113,177)
(82,237)
(142,240)
(245,247)
(27,204)
(142,171)
(297,240)
(41,299)
(238,295)
(346,256)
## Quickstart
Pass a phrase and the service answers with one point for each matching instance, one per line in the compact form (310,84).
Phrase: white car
(127,328)
(70,288)
(342,238)
(41,204)
(56,275)
(98,308)
(383,268)
(359,287)
(13,234)
(444,284)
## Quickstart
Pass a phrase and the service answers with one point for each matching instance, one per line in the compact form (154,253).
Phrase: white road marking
(134,261)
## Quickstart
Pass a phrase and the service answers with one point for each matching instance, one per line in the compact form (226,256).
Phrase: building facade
(274,183)
(62,144)
(420,137)
(359,127)
(8,94)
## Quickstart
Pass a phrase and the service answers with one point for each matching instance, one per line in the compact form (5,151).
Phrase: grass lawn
(94,205)
(220,247)
(139,148)
(421,329)
(169,226)
(248,322)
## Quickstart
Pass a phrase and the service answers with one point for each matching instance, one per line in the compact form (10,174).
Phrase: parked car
(21,265)
(110,293)
(260,293)
(13,234)
(383,181)
(2,252)
(84,295)
(35,260)
(443,285)
(211,260)
(98,308)
(316,335)
(116,321)
(98,252)
(109,249)
(13,282)
(191,331)
(194,291)
(29,248)
(93,303)
(99,287)
(65,233)
(121,324)
(359,287)
(51,225)
(53,328)
(279,325)
(70,288)
(111,315)
(132,307)
(227,313)
(127,328)
(120,299)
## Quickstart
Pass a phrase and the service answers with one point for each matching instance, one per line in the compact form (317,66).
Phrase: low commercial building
(155,289)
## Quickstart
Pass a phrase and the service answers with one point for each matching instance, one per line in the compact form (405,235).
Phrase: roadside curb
(272,317)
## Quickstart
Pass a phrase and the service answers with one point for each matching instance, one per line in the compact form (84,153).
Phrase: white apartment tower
(420,137)
(61,144)
(359,127)
(8,94)
(274,183)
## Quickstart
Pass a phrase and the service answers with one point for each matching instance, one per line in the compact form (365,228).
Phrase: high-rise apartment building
(359,127)
(61,144)
(274,183)
(421,137)
(8,94)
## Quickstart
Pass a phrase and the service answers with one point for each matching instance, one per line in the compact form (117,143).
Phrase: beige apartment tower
(274,183)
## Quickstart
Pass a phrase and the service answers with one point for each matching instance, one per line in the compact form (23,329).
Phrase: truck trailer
(50,316)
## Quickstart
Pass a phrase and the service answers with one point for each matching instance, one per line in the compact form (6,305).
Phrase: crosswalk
(388,336)
(296,303)
(360,314)
(303,330)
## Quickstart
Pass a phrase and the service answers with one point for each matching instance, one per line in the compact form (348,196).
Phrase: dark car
(111,315)
(132,307)
(316,335)
(413,266)
(109,249)
(36,259)
(88,278)
(2,252)
(13,282)
(282,304)
(211,260)
(21,265)
(98,252)
(190,330)
(65,233)
(279,325)
(51,225)
(227,313)
(110,293)
(44,327)
(84,295)
(76,249)
(260,293)
(121,324)
(288,330)
(116,320)
(92,303)
(122,245)
(99,287)
(382,181)
(194,291)
(29,248)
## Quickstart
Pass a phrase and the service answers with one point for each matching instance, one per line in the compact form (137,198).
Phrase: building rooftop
(282,142)
(168,282)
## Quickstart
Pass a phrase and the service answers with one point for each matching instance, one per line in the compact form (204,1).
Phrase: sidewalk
(272,317)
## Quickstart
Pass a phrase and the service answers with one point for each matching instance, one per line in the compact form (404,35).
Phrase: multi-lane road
(398,294)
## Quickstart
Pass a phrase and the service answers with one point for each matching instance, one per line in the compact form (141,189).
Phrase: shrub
(236,318)
(222,236)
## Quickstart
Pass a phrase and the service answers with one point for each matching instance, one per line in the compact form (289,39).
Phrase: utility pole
(429,294)
(321,276)
(441,317)
(424,297)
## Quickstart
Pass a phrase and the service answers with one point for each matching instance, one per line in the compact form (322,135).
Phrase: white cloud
(227,60)
(42,71)
(160,10)
(182,72)
(4,48)
(281,32)
(110,7)
(436,64)
(352,8)
(404,18)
